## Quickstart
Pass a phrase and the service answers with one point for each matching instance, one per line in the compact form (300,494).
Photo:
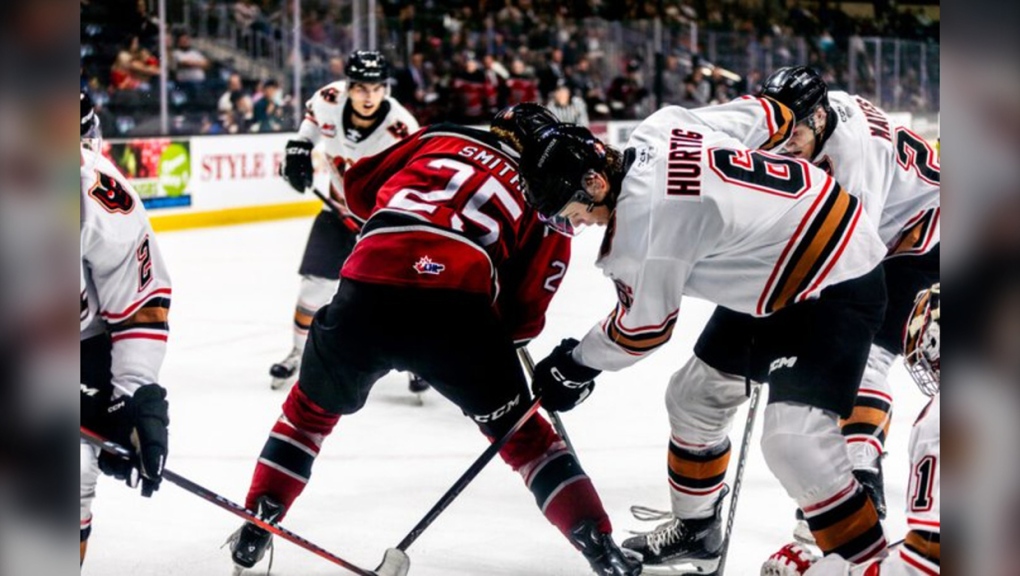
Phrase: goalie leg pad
(562,490)
(805,451)
(285,464)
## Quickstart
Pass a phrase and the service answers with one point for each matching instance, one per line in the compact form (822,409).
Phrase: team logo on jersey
(329,130)
(425,265)
(624,293)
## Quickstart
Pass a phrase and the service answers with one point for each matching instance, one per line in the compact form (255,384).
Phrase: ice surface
(383,468)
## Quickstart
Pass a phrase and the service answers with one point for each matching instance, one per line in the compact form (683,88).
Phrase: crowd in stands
(469,59)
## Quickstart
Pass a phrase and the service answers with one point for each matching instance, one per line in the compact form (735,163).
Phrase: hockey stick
(345,219)
(529,367)
(222,502)
(745,444)
(396,562)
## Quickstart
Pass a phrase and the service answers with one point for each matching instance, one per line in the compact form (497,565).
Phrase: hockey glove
(297,168)
(144,422)
(791,560)
(560,381)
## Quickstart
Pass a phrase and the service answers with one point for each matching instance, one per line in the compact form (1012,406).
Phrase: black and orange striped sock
(869,422)
(696,474)
(847,524)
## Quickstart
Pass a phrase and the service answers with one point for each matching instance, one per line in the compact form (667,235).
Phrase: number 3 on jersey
(491,189)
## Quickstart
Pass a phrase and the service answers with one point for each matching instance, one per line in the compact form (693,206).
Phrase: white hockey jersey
(125,286)
(757,122)
(327,120)
(920,553)
(703,215)
(894,171)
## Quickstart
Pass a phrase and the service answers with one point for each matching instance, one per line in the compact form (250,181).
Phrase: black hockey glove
(297,168)
(560,381)
(143,426)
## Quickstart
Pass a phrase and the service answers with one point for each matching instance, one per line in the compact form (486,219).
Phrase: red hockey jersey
(444,208)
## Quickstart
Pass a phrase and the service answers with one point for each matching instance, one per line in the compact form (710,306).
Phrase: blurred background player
(443,251)
(351,118)
(125,298)
(688,223)
(896,174)
(920,553)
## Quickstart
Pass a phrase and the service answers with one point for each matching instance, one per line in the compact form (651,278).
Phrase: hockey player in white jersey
(691,211)
(125,297)
(351,119)
(920,552)
(896,175)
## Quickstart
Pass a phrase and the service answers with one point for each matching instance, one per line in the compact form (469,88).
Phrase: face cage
(924,374)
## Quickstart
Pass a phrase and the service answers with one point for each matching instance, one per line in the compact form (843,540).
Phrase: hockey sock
(285,464)
(847,524)
(303,315)
(867,427)
(696,474)
(563,492)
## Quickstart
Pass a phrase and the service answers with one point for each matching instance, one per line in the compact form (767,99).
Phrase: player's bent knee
(804,449)
(701,402)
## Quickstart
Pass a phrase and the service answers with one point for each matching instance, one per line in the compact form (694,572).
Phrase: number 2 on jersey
(491,189)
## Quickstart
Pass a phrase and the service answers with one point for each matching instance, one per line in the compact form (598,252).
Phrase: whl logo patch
(425,265)
(784,362)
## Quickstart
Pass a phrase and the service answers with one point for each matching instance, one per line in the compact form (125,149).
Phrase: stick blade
(395,563)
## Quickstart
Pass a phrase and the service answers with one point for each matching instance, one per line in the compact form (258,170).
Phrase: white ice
(383,468)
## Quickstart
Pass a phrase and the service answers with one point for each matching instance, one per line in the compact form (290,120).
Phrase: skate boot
(285,370)
(602,553)
(682,546)
(417,385)
(874,486)
(249,544)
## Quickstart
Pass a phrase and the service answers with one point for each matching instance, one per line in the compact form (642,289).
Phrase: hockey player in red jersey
(125,299)
(920,554)
(446,230)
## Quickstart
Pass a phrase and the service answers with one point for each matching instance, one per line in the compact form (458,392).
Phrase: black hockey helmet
(367,66)
(554,165)
(519,124)
(799,88)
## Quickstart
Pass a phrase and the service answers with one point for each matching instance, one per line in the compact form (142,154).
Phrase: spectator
(235,89)
(469,95)
(627,94)
(522,86)
(133,68)
(672,81)
(190,64)
(567,107)
(412,84)
(721,90)
(267,114)
(698,90)
(552,73)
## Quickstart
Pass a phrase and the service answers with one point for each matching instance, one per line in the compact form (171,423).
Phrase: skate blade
(686,567)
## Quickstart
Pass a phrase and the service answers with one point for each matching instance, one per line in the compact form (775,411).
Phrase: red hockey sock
(285,464)
(563,492)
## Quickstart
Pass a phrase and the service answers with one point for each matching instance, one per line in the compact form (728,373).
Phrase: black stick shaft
(464,480)
(529,367)
(226,504)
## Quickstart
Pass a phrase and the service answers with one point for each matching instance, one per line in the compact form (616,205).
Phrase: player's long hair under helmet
(921,339)
(555,164)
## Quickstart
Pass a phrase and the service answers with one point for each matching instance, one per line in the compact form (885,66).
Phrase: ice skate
(605,557)
(682,546)
(285,371)
(249,543)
